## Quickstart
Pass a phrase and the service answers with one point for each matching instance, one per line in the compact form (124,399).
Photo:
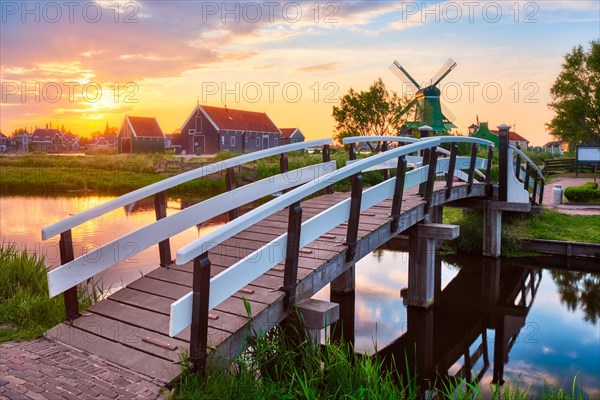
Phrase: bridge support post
(344,283)
(343,329)
(421,261)
(200,299)
(314,315)
(70,295)
(503,162)
(492,231)
(229,186)
(290,274)
(327,158)
(164,247)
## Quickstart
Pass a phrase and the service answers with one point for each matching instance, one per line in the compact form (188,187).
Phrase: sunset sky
(292,60)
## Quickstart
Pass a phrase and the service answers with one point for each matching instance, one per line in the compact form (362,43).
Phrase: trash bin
(557,193)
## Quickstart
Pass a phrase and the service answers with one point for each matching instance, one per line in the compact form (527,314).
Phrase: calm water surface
(543,323)
(22,219)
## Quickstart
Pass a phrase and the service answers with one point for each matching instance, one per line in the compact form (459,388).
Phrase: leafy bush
(584,193)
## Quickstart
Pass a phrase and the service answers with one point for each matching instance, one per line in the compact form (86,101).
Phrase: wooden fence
(566,165)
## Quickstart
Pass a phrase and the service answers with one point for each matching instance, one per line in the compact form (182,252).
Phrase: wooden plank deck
(130,327)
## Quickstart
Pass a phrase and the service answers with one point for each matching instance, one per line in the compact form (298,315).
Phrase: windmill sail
(448,114)
(445,70)
(401,73)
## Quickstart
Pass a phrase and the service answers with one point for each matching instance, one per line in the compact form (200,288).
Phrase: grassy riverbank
(276,368)
(118,174)
(26,311)
(39,174)
(549,225)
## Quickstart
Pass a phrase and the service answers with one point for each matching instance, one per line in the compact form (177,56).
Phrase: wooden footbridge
(249,274)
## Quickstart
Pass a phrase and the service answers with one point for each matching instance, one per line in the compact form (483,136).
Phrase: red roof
(239,120)
(145,127)
(514,136)
(287,132)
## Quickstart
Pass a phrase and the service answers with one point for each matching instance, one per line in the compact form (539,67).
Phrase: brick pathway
(44,369)
(565,208)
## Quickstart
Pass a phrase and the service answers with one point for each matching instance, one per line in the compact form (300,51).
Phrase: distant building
(516,140)
(140,135)
(71,142)
(47,140)
(209,130)
(291,135)
(3,142)
(483,132)
(555,147)
(103,141)
(21,143)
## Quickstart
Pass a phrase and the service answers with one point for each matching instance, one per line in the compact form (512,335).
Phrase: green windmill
(426,106)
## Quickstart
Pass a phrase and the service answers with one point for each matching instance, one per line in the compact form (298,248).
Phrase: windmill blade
(445,70)
(448,114)
(405,109)
(401,73)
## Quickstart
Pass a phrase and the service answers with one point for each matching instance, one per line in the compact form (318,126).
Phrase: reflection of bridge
(250,272)
(450,339)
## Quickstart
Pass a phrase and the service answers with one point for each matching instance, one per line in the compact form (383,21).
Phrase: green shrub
(584,193)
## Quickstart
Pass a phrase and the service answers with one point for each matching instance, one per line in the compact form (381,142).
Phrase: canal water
(514,319)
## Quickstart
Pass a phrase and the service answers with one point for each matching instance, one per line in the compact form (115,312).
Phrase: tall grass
(471,232)
(26,311)
(277,365)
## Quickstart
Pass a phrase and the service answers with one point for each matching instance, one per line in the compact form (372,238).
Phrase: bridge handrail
(360,139)
(465,139)
(402,139)
(226,283)
(80,269)
(219,235)
(139,194)
(443,139)
(531,163)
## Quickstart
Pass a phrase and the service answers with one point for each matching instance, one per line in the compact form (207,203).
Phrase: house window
(222,140)
(192,131)
(232,141)
(276,142)
(258,141)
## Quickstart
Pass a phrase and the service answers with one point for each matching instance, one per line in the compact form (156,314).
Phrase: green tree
(576,97)
(375,112)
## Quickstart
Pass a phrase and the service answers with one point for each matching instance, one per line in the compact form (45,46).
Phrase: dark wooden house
(209,130)
(47,140)
(291,135)
(140,135)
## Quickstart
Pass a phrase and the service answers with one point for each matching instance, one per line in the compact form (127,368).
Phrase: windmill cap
(431,91)
(504,126)
(425,128)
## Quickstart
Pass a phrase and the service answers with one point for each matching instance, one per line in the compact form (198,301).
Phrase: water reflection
(493,320)
(579,290)
(22,219)
(451,338)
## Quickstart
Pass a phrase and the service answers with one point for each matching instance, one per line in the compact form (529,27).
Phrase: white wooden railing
(74,271)
(527,175)
(253,265)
